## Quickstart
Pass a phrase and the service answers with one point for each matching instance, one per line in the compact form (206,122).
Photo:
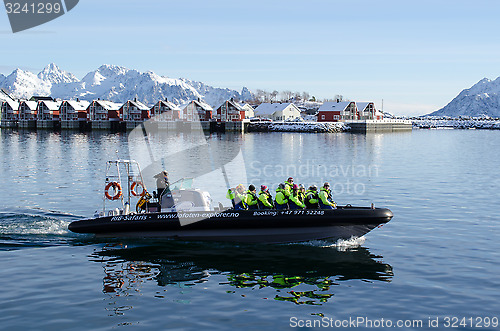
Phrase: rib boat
(190,214)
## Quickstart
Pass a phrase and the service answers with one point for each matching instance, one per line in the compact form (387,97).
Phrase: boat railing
(127,174)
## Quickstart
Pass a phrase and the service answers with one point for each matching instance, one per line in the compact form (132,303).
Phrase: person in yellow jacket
(237,196)
(288,186)
(325,197)
(265,198)
(252,199)
(231,195)
(302,193)
(294,199)
(281,201)
(312,198)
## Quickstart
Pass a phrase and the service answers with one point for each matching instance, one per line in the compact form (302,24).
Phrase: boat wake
(30,224)
(34,228)
(341,244)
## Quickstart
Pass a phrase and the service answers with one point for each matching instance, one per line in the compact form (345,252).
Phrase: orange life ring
(117,187)
(137,184)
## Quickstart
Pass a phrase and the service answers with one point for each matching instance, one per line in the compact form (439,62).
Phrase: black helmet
(251,187)
(281,186)
(313,188)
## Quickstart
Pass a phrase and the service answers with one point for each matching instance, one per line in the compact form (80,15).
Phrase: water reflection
(66,168)
(296,273)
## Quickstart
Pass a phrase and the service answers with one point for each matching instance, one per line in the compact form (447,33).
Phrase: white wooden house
(278,111)
(249,111)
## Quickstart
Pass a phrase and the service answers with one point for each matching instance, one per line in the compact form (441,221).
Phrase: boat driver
(163,190)
(162,182)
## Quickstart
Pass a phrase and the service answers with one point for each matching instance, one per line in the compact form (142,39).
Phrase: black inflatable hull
(272,226)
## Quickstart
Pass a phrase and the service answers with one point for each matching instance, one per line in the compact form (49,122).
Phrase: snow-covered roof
(138,104)
(362,105)
(168,104)
(203,104)
(334,106)
(78,105)
(234,104)
(265,109)
(14,105)
(31,105)
(51,105)
(108,105)
(246,107)
(200,103)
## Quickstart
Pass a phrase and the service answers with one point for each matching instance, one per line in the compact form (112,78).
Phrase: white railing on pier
(385,120)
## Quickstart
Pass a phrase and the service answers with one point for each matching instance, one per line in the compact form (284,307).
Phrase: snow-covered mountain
(24,84)
(114,83)
(483,98)
(54,75)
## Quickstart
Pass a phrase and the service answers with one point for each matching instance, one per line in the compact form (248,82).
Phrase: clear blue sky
(416,56)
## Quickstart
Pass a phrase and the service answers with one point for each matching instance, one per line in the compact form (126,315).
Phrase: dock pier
(385,125)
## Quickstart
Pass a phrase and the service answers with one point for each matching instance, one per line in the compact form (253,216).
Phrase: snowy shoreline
(298,127)
(456,123)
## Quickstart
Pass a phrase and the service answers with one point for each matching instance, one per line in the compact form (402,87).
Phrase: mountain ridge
(481,99)
(114,83)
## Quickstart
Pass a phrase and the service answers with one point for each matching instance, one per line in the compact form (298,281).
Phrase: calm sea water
(438,259)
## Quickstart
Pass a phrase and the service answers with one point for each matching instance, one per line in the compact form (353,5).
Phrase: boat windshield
(182,184)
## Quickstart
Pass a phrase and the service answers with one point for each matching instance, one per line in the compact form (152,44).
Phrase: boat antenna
(226,179)
(150,151)
(228,186)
